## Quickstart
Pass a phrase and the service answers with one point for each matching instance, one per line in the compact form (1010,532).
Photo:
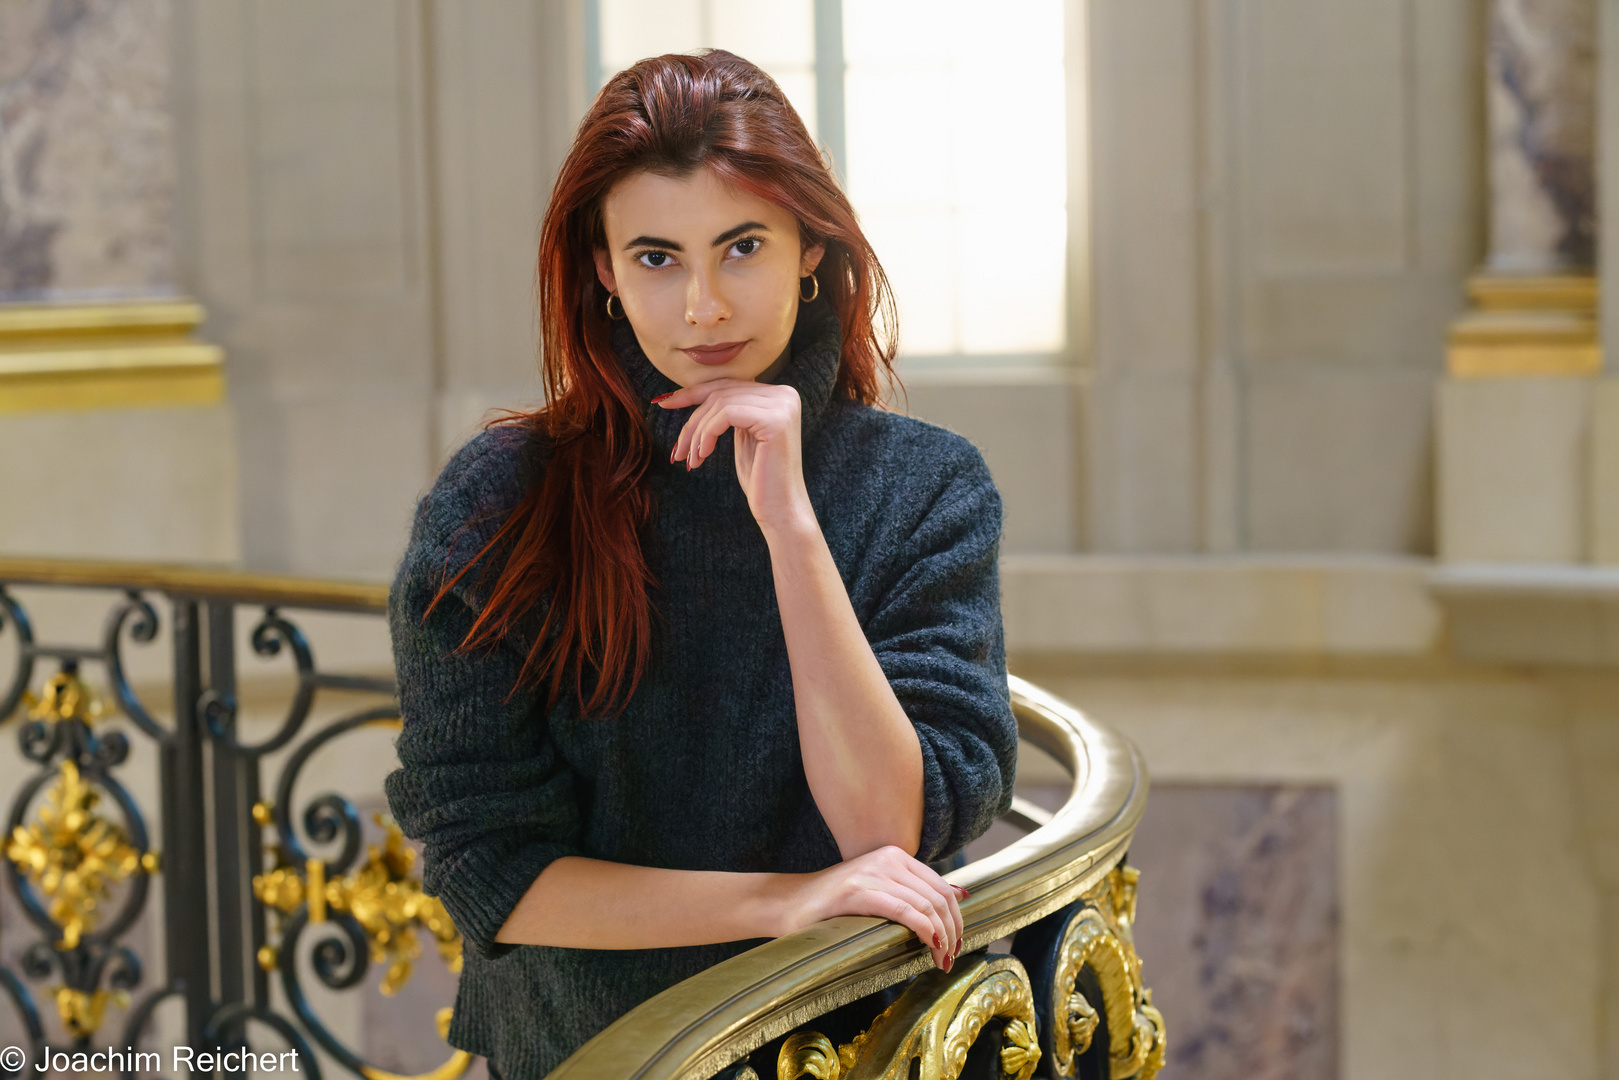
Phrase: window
(946,121)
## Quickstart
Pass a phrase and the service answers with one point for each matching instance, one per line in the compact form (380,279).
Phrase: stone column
(1542,112)
(1515,414)
(91,313)
(1535,299)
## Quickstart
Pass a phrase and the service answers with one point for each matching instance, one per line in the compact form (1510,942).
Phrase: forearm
(584,903)
(861,754)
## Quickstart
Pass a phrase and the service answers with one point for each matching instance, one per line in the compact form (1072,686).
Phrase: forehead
(696,207)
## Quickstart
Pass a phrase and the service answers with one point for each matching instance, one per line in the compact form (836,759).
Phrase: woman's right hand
(889,884)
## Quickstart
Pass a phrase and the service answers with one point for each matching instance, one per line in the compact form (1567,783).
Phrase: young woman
(708,649)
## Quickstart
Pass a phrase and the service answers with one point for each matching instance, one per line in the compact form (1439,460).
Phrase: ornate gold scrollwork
(64,697)
(1100,938)
(935,1022)
(73,855)
(383,898)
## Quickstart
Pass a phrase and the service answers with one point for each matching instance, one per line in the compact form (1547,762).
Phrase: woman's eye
(746,246)
(654,258)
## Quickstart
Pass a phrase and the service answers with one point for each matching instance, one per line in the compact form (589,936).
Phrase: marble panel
(1542,115)
(87,173)
(1237,925)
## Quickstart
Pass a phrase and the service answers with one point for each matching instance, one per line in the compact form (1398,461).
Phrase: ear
(604,270)
(810,259)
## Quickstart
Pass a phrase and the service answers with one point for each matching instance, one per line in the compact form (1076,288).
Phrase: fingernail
(964,893)
(958,949)
(671,455)
(937,943)
(661,397)
(948,963)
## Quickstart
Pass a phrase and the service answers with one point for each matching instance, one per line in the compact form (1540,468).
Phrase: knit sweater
(702,769)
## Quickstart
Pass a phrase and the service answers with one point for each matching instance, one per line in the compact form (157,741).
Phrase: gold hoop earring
(610,298)
(814,291)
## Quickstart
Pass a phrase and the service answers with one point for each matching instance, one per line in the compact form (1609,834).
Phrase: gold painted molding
(1527,327)
(113,355)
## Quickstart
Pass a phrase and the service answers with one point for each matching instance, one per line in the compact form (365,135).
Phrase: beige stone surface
(1122,605)
(1286,204)
(1512,473)
(1339,459)
(1603,487)
(145,484)
(1465,874)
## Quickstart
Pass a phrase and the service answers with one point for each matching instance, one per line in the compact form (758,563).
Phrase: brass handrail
(718,1016)
(190,581)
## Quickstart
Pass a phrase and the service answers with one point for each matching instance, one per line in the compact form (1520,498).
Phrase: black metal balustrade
(849,998)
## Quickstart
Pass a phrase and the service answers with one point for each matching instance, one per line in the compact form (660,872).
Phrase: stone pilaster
(91,316)
(1516,417)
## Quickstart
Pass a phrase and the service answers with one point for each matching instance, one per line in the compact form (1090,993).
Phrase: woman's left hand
(765,417)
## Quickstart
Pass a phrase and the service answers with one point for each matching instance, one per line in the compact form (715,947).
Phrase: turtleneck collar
(812,370)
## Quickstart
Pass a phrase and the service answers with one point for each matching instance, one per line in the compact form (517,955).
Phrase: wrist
(780,904)
(795,524)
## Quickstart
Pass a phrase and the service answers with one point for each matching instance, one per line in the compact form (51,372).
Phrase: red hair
(573,543)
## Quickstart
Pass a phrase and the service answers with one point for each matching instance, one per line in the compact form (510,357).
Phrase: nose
(706,305)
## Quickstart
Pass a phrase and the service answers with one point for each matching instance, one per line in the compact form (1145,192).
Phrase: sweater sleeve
(936,634)
(481,782)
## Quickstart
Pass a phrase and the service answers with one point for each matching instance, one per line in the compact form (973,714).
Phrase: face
(708,274)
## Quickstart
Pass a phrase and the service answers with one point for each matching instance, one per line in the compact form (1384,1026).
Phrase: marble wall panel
(87,174)
(1237,925)
(1542,108)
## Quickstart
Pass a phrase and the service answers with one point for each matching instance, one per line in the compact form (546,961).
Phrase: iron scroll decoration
(66,863)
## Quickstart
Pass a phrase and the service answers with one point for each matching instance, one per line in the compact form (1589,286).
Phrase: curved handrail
(271,590)
(715,1018)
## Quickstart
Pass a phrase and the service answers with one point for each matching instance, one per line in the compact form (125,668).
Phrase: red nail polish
(671,455)
(661,397)
(964,893)
(948,963)
(937,943)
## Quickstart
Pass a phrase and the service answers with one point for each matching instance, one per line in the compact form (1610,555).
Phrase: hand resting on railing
(585,903)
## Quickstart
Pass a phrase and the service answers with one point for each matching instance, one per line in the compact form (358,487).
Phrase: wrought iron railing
(848,998)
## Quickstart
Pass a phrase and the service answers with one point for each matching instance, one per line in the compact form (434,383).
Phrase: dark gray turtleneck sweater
(702,770)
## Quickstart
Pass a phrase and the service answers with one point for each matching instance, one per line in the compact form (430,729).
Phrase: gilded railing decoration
(935,1023)
(81,876)
(1095,983)
(928,1032)
(381,895)
(76,851)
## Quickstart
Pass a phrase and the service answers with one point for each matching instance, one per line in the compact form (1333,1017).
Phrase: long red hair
(573,544)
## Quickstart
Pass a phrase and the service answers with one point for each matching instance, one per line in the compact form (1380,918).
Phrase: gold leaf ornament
(73,855)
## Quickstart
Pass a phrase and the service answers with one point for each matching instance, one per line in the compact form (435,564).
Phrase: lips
(714,355)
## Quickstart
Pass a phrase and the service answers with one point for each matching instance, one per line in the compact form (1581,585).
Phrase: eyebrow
(724,237)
